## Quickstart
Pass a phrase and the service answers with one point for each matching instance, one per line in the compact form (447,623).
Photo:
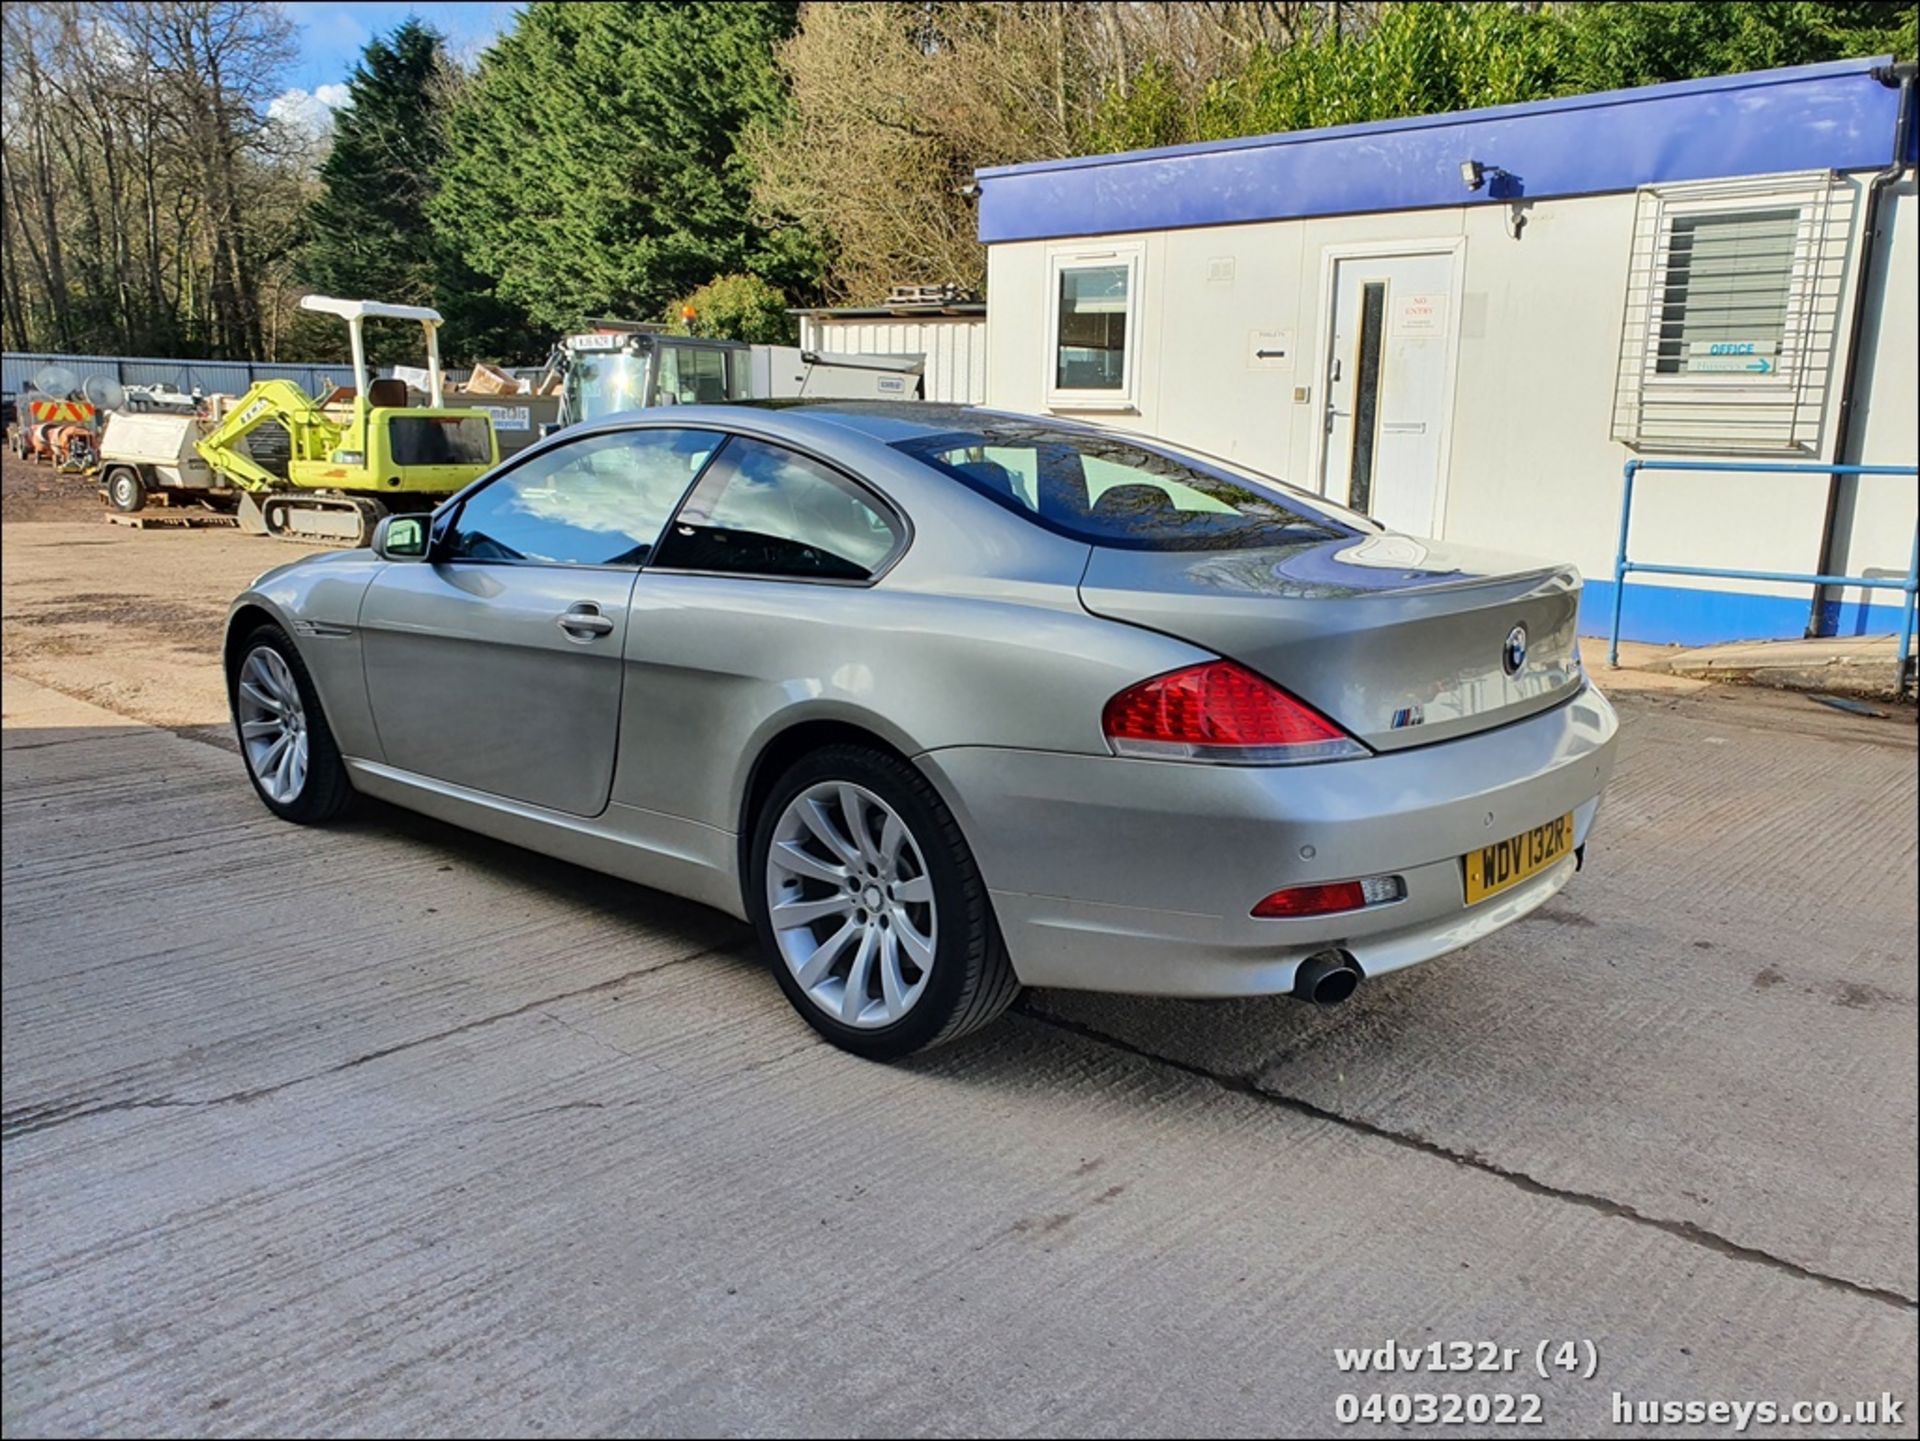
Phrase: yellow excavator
(317,468)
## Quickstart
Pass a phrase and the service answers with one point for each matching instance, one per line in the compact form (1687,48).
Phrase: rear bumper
(1133,875)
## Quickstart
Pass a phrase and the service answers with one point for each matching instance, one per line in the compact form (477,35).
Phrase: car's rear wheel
(871,908)
(291,756)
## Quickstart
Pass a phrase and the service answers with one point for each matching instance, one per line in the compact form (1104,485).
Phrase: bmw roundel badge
(1514,654)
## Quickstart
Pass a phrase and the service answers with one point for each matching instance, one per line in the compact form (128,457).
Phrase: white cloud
(308,111)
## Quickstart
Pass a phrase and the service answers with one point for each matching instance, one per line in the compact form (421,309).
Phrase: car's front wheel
(872,908)
(290,752)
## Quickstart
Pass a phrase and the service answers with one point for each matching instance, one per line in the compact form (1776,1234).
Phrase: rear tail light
(1220,711)
(1330,898)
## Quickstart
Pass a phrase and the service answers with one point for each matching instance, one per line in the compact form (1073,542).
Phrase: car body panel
(667,852)
(316,600)
(1107,871)
(1399,641)
(719,666)
(473,681)
(980,655)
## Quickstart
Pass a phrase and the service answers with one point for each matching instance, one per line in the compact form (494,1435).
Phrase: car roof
(891,421)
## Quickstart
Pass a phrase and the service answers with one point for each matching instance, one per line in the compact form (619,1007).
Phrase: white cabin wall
(1531,466)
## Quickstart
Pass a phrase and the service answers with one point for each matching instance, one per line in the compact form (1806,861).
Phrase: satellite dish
(56,381)
(105,392)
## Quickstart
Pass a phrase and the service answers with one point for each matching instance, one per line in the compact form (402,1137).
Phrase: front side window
(1728,283)
(1115,492)
(600,500)
(764,510)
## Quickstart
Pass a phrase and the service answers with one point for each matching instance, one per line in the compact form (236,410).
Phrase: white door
(1387,387)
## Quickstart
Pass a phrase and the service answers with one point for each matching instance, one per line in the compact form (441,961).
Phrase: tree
(368,232)
(367,229)
(149,199)
(218,63)
(1420,57)
(1615,45)
(596,169)
(735,307)
(894,105)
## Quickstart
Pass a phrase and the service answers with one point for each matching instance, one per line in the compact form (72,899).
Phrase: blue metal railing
(1622,567)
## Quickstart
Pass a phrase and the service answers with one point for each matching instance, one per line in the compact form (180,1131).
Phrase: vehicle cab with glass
(638,366)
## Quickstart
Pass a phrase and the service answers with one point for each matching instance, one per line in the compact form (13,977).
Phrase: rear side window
(764,510)
(1114,492)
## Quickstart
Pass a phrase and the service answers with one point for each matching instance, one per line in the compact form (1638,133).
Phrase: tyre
(870,907)
(290,753)
(125,490)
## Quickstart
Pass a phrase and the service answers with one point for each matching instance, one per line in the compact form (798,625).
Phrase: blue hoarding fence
(1622,566)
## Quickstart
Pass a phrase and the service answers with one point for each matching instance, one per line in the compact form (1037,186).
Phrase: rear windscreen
(440,440)
(1113,492)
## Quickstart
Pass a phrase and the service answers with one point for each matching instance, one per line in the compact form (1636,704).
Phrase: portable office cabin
(952,335)
(1665,273)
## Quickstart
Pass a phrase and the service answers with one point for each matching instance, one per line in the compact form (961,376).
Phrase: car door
(747,605)
(497,665)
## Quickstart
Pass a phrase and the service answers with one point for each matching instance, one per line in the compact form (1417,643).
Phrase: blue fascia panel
(1681,615)
(1834,116)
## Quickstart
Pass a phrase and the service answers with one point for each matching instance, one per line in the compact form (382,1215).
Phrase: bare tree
(894,105)
(150,197)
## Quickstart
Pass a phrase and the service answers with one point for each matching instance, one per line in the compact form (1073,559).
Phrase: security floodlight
(1475,173)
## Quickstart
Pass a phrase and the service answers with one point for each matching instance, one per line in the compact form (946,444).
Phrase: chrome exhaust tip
(1326,979)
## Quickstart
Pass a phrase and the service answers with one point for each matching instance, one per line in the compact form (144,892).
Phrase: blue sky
(332,35)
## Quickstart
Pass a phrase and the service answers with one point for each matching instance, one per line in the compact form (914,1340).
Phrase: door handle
(584,621)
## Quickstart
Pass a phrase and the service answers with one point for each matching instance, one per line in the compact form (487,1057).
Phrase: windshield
(1118,492)
(605,384)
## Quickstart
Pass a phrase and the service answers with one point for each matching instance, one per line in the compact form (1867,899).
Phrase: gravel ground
(38,492)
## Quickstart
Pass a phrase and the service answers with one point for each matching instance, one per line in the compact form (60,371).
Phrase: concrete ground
(387,1129)
(1866,666)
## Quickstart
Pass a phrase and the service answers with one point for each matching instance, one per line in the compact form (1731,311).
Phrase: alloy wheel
(273,724)
(851,904)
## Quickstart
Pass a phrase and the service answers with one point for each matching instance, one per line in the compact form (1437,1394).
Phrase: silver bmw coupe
(947,701)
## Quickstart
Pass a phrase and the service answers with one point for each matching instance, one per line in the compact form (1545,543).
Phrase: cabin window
(1726,291)
(1093,335)
(1734,294)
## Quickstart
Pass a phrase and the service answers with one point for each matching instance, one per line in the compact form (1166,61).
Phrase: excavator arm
(311,433)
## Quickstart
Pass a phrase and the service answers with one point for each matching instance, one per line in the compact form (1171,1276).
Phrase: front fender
(316,601)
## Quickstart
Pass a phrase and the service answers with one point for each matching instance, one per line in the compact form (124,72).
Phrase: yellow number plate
(1493,869)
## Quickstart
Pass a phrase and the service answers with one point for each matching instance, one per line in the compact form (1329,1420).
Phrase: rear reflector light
(1331,898)
(1220,711)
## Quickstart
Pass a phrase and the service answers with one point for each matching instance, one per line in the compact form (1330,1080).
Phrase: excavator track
(321,518)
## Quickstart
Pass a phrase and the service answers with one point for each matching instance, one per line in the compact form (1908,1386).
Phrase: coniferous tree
(598,169)
(369,236)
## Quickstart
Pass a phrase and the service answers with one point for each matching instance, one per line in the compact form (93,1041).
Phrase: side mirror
(401,537)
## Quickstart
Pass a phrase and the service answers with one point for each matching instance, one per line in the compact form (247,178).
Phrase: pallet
(174,520)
